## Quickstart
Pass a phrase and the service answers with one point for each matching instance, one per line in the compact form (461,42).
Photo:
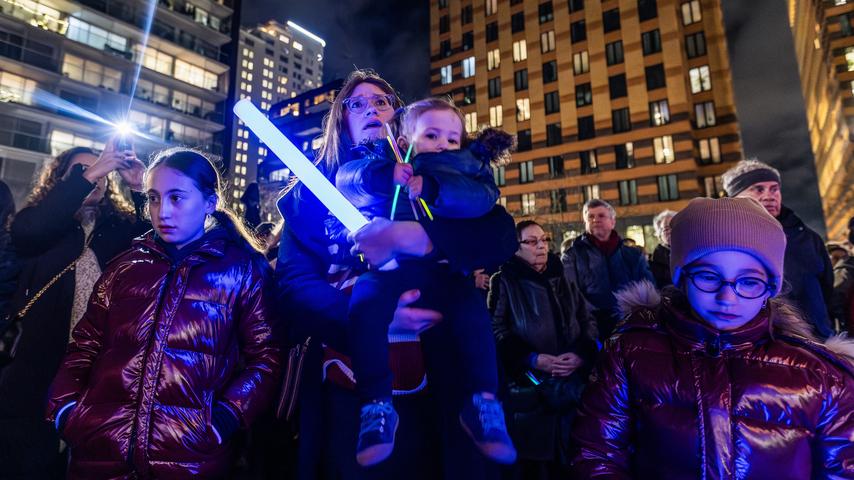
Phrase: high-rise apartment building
(824,45)
(626,100)
(60,56)
(275,62)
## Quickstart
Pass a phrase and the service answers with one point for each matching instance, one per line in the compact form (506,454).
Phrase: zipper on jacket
(157,310)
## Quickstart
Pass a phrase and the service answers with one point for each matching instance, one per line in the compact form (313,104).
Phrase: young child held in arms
(453,176)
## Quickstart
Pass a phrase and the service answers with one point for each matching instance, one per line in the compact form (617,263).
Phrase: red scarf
(609,246)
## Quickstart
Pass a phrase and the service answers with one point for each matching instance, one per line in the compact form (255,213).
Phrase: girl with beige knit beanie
(715,377)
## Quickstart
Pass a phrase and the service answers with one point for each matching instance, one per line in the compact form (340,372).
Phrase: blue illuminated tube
(293,158)
(308,174)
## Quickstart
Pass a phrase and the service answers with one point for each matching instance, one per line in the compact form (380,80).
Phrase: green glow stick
(397,188)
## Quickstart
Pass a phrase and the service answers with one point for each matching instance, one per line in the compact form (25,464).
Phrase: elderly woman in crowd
(431,442)
(660,263)
(716,377)
(546,340)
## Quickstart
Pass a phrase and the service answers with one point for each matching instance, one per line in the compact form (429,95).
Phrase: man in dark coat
(600,264)
(808,274)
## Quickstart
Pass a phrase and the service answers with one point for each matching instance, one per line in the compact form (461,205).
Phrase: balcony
(28,51)
(198,15)
(136,15)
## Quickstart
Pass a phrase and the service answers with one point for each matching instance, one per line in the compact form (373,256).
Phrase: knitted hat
(746,173)
(709,225)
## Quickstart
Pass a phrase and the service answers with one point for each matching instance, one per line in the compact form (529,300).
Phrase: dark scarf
(609,246)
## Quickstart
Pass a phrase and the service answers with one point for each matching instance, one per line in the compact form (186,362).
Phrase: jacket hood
(786,320)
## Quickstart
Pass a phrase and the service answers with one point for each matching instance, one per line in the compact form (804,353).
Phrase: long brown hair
(335,138)
(196,166)
(114,201)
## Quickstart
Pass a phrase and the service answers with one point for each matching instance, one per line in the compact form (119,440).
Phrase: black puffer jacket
(807,271)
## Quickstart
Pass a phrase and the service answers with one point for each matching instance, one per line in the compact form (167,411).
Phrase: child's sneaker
(483,420)
(376,435)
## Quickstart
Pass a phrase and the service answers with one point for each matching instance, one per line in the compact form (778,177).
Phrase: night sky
(393,38)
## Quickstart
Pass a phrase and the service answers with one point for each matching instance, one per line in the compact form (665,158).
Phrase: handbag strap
(23,312)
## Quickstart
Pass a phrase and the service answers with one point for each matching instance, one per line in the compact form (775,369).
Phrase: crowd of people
(147,332)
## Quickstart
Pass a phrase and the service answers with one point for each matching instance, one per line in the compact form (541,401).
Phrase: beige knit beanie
(709,225)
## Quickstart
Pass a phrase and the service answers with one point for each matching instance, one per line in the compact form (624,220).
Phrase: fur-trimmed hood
(786,320)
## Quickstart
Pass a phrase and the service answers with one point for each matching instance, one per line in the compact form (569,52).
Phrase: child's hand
(415,185)
(402,173)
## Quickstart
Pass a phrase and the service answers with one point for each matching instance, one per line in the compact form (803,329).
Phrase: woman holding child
(313,246)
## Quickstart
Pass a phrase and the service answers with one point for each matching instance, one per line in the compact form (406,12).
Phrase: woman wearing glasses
(717,378)
(312,253)
(546,341)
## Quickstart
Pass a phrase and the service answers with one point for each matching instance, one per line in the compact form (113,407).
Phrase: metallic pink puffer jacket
(674,398)
(159,344)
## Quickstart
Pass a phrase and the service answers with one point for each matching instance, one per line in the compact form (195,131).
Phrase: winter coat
(159,344)
(538,313)
(807,271)
(319,310)
(842,302)
(599,277)
(534,313)
(674,398)
(457,183)
(660,266)
(48,238)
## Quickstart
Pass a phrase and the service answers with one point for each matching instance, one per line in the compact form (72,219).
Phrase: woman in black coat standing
(75,221)
(546,340)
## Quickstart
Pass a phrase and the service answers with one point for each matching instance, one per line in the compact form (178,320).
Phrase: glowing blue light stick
(293,158)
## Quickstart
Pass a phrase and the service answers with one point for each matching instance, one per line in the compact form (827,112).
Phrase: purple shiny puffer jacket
(160,344)
(674,398)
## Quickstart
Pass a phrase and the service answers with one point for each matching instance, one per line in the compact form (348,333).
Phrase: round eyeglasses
(745,287)
(359,104)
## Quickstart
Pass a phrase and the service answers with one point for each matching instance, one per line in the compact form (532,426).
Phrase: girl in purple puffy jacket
(716,377)
(176,350)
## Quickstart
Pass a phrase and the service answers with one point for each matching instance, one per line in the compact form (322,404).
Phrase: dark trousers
(466,322)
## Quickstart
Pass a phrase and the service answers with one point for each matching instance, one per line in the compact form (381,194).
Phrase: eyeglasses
(745,287)
(533,242)
(359,104)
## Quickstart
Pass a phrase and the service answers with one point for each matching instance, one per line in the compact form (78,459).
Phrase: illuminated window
(520,51)
(156,60)
(691,12)
(90,72)
(194,75)
(14,88)
(529,203)
(446,74)
(700,79)
(61,141)
(710,150)
(496,116)
(547,41)
(468,67)
(659,113)
(523,109)
(663,147)
(471,121)
(704,113)
(581,62)
(93,36)
(493,59)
